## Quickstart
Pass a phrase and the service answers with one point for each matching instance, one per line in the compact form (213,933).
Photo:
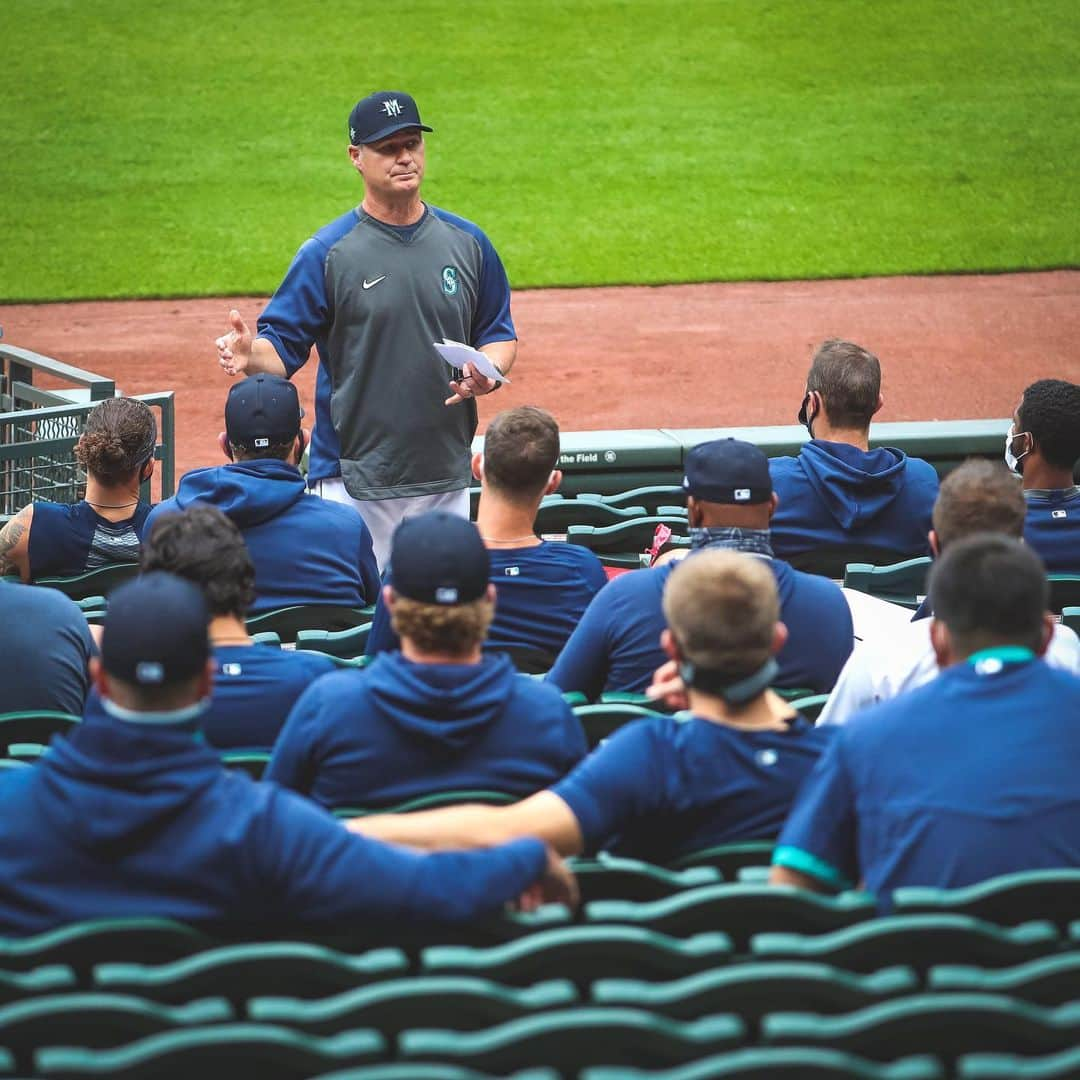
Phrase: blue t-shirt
(141,819)
(835,493)
(663,786)
(616,646)
(66,540)
(397,730)
(1052,528)
(46,646)
(305,550)
(972,775)
(542,593)
(255,686)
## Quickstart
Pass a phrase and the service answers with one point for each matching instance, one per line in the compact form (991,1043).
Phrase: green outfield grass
(187,147)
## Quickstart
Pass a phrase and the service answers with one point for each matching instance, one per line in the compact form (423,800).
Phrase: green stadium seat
(461,1002)
(739,910)
(752,990)
(287,622)
(569,1039)
(557,514)
(93,608)
(1063,1066)
(782,1063)
(602,720)
(1064,591)
(239,972)
(753,875)
(83,944)
(1070,617)
(1074,932)
(622,545)
(346,644)
(47,979)
(99,582)
(454,797)
(1053,980)
(34,726)
(25,751)
(918,940)
(582,953)
(832,560)
(792,693)
(253,762)
(224,1050)
(266,637)
(609,877)
(651,497)
(901,583)
(811,706)
(416,1070)
(1006,900)
(12,763)
(945,1025)
(96,1020)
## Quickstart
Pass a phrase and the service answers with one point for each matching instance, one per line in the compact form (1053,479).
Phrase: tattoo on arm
(10,536)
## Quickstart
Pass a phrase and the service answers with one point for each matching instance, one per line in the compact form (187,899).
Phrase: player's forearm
(501,353)
(452,828)
(264,358)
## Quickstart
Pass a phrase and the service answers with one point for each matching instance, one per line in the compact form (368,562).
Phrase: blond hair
(453,630)
(722,608)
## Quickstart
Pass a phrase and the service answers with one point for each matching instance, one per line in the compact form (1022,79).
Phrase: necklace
(111,506)
(515,540)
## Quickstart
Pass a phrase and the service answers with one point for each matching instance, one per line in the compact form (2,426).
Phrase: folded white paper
(458,355)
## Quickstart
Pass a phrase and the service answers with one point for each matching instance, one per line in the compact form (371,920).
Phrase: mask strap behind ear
(734,693)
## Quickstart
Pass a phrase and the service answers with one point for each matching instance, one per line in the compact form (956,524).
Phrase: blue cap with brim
(439,558)
(381,114)
(727,471)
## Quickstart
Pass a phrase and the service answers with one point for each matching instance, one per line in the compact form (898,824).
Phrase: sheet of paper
(875,619)
(458,355)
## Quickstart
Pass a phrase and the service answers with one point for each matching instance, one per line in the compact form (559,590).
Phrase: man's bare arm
(543,815)
(501,353)
(15,544)
(781,875)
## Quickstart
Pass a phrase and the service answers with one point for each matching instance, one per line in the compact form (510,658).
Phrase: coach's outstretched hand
(234,348)
(557,886)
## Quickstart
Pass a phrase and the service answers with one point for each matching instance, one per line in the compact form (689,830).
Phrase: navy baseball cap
(262,411)
(381,114)
(439,558)
(155,631)
(727,471)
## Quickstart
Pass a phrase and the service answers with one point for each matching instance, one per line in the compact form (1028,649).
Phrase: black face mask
(804,419)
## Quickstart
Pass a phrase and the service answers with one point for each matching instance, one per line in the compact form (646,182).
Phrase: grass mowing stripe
(188,147)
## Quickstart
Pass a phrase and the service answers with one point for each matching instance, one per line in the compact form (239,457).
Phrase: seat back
(98,582)
(901,583)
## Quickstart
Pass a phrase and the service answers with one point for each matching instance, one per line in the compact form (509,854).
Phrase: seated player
(544,588)
(439,715)
(837,491)
(1043,446)
(979,496)
(255,686)
(48,539)
(305,550)
(46,649)
(730,501)
(969,776)
(666,785)
(132,815)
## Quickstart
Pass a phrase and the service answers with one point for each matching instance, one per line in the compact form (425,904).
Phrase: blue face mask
(1011,460)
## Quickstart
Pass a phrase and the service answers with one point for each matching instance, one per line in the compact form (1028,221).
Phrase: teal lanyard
(991,661)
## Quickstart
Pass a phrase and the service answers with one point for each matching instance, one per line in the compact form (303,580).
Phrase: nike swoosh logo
(371,284)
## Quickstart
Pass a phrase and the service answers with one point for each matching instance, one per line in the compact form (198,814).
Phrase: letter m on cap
(391,107)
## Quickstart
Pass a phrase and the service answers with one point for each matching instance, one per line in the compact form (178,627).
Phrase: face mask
(1011,460)
(805,419)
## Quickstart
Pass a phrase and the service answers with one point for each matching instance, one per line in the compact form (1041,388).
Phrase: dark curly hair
(202,545)
(118,440)
(1050,410)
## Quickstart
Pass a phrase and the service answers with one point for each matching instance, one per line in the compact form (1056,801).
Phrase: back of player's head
(154,642)
(989,590)
(118,440)
(521,448)
(262,417)
(1050,410)
(204,547)
(978,496)
(440,571)
(848,378)
(722,607)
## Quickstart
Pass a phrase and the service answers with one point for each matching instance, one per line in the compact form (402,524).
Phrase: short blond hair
(454,630)
(722,608)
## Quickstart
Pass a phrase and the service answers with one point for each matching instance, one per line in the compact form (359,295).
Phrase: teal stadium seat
(811,706)
(570,1039)
(434,1071)
(901,583)
(602,720)
(920,941)
(287,622)
(1070,617)
(652,497)
(1063,1066)
(1053,980)
(582,954)
(610,877)
(47,979)
(345,644)
(460,1002)
(454,797)
(622,545)
(223,1050)
(1064,591)
(557,513)
(99,582)
(832,560)
(253,762)
(34,726)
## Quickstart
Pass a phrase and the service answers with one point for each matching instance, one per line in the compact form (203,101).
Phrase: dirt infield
(631,357)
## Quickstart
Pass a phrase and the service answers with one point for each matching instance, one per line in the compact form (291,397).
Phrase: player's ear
(774,502)
(226,447)
(388,596)
(668,644)
(478,467)
(554,480)
(880,405)
(935,544)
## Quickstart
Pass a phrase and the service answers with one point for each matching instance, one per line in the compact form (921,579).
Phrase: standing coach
(372,291)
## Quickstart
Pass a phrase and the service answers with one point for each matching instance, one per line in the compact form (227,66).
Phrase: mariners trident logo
(449,280)
(391,107)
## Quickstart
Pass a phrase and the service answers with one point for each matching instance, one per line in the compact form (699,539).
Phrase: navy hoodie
(139,819)
(305,550)
(835,493)
(398,730)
